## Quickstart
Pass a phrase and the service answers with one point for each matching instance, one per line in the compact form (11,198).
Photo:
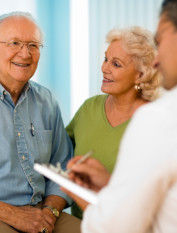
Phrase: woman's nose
(106,67)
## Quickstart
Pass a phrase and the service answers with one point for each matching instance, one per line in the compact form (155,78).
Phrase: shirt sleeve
(62,151)
(143,149)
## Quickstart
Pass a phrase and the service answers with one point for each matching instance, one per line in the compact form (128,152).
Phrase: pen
(84,157)
(32,130)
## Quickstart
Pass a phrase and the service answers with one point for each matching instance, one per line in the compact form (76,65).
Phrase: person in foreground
(129,81)
(31,131)
(141,195)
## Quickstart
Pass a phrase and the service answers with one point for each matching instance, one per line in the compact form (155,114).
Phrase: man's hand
(49,217)
(32,220)
(90,174)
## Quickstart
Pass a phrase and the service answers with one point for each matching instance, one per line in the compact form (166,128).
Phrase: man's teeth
(20,64)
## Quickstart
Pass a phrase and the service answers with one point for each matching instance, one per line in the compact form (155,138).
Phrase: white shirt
(144,176)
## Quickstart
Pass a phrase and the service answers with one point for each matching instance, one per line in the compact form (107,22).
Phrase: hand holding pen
(80,160)
(88,172)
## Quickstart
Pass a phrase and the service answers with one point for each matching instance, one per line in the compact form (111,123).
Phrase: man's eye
(33,45)
(15,43)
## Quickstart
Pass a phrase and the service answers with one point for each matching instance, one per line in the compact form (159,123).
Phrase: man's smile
(21,64)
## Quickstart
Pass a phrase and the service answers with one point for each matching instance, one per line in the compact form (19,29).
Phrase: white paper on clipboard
(84,193)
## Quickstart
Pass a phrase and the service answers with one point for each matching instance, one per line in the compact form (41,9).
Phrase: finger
(83,168)
(82,181)
(94,163)
(46,225)
(71,176)
(73,161)
(48,216)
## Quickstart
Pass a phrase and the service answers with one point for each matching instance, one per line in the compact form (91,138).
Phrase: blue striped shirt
(31,131)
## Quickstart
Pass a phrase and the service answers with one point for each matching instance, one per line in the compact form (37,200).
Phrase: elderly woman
(129,81)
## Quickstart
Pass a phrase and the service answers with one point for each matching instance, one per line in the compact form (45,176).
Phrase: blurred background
(74,41)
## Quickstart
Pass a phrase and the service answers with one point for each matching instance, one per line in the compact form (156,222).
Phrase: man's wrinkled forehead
(14,19)
(14,24)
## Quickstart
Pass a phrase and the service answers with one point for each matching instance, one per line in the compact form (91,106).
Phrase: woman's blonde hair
(139,43)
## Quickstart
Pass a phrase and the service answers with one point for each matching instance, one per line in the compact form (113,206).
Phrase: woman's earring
(138,88)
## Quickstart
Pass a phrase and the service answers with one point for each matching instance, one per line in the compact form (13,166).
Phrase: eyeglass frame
(24,43)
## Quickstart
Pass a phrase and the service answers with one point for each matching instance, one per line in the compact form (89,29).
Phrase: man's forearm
(7,212)
(55,201)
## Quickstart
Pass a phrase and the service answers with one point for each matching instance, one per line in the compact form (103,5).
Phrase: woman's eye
(116,64)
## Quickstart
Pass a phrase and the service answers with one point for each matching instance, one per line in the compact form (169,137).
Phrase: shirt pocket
(44,144)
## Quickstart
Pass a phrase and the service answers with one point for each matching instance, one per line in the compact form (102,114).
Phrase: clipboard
(84,193)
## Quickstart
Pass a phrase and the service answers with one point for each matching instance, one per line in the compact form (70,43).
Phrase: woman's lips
(106,80)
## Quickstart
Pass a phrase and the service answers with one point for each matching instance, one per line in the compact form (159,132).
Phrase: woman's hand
(90,173)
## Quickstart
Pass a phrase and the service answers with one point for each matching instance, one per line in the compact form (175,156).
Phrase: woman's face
(119,73)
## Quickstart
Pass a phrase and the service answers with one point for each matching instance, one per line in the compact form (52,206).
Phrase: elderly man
(31,131)
(141,196)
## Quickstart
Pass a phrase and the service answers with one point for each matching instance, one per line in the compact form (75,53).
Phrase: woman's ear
(141,74)
(138,78)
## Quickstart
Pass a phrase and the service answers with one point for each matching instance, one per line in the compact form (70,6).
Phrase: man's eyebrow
(13,38)
(17,39)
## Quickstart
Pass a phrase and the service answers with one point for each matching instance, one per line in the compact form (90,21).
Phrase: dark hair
(169,9)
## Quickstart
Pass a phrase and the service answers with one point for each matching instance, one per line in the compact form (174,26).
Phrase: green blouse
(90,130)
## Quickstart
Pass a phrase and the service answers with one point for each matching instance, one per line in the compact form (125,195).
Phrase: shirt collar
(3,91)
(26,87)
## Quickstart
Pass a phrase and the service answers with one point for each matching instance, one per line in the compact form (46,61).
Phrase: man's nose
(24,51)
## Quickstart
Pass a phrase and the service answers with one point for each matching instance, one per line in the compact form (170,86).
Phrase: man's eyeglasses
(17,45)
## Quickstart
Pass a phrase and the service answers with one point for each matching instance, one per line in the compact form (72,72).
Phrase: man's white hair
(26,15)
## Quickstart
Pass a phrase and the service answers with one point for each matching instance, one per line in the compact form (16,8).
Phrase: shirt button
(23,157)
(4,92)
(19,134)
(15,110)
